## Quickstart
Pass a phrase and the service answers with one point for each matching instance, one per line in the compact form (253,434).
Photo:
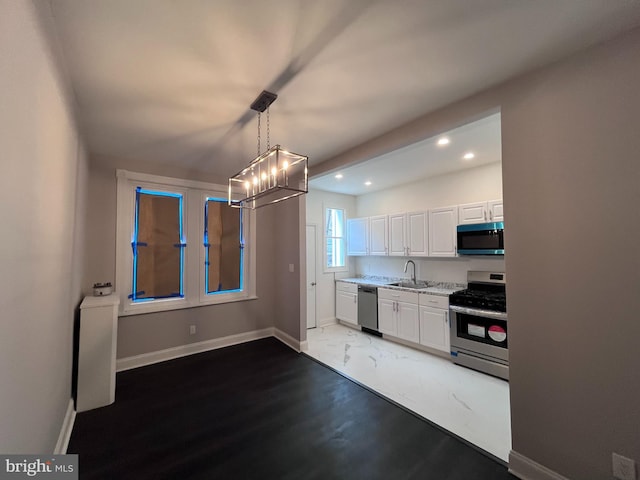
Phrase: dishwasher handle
(367,289)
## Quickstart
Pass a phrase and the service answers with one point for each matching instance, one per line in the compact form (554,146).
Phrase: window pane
(157,246)
(334,235)
(223,243)
(335,252)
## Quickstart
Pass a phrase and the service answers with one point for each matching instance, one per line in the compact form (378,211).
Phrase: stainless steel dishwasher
(368,308)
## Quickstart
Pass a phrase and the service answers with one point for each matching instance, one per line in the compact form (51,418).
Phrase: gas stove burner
(484,292)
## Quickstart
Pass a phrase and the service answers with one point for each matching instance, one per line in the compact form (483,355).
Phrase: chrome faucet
(413,277)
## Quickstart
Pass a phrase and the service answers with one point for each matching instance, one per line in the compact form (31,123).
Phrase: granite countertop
(443,289)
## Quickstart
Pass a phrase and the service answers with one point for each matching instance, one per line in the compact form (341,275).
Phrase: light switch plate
(291,267)
(623,468)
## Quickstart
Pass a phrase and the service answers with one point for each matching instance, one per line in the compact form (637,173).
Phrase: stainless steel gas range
(479,337)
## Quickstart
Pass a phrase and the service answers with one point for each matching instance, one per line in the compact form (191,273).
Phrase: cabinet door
(496,212)
(347,307)
(408,321)
(357,236)
(434,328)
(396,235)
(387,318)
(417,234)
(378,234)
(473,213)
(442,231)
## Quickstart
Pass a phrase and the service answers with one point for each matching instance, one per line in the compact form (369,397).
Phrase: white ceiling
(171,81)
(420,160)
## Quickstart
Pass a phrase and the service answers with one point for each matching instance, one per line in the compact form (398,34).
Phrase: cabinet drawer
(398,295)
(436,301)
(347,287)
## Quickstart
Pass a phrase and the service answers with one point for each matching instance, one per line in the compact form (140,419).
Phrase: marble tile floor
(467,403)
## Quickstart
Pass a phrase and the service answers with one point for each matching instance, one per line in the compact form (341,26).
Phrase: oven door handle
(479,312)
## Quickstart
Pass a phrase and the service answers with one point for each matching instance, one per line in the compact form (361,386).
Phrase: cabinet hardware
(313,284)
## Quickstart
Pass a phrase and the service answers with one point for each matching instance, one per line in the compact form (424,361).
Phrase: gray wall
(286,220)
(277,246)
(571,182)
(42,193)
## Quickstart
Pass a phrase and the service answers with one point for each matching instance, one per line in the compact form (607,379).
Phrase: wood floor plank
(261,411)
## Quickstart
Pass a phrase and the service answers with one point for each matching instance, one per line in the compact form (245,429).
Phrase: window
(179,245)
(334,234)
(223,246)
(157,246)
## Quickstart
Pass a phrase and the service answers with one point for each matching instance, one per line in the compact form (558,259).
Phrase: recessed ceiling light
(339,176)
(367,183)
(442,141)
(469,155)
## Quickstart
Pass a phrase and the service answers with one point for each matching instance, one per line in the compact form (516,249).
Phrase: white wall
(42,198)
(317,201)
(472,185)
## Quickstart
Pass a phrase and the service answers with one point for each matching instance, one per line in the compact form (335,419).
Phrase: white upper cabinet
(496,210)
(397,244)
(408,234)
(378,235)
(442,231)
(417,234)
(481,212)
(358,236)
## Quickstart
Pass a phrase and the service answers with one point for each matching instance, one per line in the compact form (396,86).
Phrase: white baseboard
(65,431)
(304,346)
(136,361)
(287,339)
(325,322)
(526,469)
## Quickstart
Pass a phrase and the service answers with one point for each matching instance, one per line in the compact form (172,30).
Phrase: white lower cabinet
(347,302)
(398,314)
(434,322)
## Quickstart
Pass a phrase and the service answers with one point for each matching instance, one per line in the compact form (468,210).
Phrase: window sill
(169,305)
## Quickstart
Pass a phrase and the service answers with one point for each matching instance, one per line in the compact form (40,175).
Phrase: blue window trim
(207,245)
(135,244)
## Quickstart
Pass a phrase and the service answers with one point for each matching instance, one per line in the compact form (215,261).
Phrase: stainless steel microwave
(481,239)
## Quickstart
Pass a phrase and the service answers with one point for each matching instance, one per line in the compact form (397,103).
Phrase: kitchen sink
(409,284)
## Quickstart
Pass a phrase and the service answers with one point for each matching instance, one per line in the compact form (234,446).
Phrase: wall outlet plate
(623,468)
(192,329)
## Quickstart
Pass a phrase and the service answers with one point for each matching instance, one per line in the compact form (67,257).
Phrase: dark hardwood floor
(261,411)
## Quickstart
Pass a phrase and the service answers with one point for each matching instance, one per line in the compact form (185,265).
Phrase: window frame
(233,295)
(194,195)
(325,267)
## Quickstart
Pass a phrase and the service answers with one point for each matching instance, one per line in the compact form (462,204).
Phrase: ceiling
(171,81)
(426,158)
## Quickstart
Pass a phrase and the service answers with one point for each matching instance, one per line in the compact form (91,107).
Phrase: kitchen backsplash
(429,269)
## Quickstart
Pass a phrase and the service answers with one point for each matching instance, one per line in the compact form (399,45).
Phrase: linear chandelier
(271,177)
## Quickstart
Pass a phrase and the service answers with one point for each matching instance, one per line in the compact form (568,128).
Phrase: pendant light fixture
(271,177)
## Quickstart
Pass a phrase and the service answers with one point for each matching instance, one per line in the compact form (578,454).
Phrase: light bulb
(285,165)
(247,185)
(255,180)
(274,170)
(263,176)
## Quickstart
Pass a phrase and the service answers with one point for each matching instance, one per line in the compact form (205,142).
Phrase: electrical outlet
(623,468)
(291,268)
(192,330)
